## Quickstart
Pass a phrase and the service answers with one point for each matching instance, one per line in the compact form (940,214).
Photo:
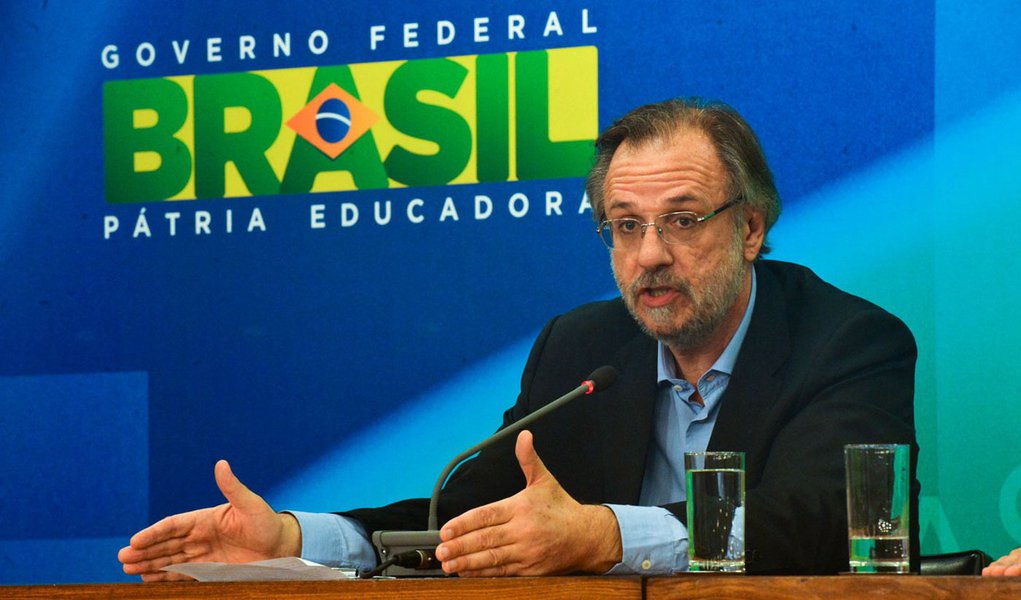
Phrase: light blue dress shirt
(654,540)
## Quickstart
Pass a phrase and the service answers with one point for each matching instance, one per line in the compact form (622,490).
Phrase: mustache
(659,278)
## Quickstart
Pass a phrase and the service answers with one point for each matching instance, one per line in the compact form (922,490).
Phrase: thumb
(237,493)
(531,465)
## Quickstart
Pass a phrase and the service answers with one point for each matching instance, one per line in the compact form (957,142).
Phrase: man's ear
(753,233)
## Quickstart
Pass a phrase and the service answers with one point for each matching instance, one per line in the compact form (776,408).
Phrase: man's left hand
(541,530)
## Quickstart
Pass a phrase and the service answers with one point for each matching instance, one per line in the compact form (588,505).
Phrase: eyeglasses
(673,228)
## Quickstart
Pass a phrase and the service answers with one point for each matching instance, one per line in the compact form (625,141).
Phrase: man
(716,349)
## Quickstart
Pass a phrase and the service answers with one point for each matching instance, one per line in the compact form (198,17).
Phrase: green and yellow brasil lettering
(457,120)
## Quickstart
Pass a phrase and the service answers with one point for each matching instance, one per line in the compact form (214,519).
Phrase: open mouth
(655,297)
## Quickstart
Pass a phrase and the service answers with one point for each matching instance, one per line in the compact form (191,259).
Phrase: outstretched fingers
(178,546)
(475,539)
(154,565)
(484,561)
(169,528)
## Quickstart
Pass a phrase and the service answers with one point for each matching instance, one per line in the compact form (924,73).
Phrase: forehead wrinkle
(626,172)
(667,171)
(627,177)
(675,185)
(678,200)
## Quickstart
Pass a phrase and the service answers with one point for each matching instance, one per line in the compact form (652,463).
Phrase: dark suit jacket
(818,369)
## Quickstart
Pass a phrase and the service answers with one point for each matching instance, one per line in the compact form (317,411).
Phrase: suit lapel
(755,384)
(626,421)
(626,410)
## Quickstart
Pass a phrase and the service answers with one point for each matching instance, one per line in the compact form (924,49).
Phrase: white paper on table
(277,569)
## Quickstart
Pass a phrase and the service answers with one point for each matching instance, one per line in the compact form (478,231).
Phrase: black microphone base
(392,543)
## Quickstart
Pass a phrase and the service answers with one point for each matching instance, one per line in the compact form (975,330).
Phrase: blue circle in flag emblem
(333,120)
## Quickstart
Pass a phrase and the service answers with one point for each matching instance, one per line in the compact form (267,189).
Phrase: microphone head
(603,377)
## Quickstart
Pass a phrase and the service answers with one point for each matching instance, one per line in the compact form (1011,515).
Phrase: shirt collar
(667,369)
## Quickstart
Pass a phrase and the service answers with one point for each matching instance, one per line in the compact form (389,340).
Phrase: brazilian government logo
(439,121)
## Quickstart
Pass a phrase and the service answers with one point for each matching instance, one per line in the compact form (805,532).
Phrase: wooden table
(688,587)
(843,587)
(587,588)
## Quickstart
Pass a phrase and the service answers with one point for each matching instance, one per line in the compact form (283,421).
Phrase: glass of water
(878,507)
(715,502)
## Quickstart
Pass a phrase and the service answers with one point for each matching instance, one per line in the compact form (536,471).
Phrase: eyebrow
(628,205)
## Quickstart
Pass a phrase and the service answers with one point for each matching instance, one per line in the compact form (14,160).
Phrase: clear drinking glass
(715,498)
(878,507)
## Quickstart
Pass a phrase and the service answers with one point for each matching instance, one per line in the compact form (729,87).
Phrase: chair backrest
(969,562)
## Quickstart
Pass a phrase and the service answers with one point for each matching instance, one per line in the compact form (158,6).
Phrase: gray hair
(748,174)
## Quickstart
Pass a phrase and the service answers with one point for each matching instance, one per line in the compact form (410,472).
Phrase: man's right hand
(242,530)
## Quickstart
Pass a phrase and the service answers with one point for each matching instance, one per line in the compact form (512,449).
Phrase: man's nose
(652,250)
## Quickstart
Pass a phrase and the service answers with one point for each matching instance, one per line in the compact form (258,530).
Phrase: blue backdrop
(130,363)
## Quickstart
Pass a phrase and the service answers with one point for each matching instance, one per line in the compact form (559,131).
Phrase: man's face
(679,293)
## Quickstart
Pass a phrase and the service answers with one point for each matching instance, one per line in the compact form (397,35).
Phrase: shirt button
(678,388)
(646,564)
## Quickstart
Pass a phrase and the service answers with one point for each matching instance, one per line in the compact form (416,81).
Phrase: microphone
(411,553)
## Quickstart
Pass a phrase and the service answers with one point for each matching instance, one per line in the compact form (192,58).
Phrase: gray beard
(711,304)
